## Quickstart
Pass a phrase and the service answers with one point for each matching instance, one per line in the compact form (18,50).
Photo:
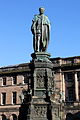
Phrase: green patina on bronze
(41,31)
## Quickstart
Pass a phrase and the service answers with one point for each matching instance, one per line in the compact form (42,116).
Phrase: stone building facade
(15,83)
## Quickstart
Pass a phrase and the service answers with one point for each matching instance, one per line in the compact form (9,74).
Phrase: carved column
(76,87)
(63,86)
(61,81)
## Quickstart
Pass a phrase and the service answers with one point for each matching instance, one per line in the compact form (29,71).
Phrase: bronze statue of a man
(41,31)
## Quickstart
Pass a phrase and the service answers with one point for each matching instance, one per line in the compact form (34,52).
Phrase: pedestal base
(38,109)
(41,56)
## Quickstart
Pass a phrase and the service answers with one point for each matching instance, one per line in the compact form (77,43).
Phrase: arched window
(14,117)
(77,116)
(4,117)
(69,116)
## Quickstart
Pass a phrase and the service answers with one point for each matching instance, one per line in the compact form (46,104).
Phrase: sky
(16,40)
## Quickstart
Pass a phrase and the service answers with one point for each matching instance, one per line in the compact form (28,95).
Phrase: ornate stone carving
(40,79)
(40,111)
(50,85)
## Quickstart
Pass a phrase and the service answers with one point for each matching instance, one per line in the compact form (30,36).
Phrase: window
(78,75)
(70,77)
(3,117)
(70,86)
(14,117)
(4,81)
(14,96)
(3,98)
(71,94)
(25,96)
(25,79)
(14,80)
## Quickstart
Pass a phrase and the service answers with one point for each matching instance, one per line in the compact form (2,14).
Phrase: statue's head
(41,10)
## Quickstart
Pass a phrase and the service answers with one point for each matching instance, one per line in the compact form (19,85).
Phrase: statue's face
(41,10)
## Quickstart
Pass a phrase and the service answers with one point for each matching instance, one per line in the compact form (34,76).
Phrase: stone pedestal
(38,109)
(39,106)
(42,87)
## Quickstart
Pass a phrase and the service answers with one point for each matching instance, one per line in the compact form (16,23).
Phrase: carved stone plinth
(38,109)
(39,105)
(42,87)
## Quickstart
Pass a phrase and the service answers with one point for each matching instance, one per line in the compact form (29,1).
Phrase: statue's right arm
(33,28)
